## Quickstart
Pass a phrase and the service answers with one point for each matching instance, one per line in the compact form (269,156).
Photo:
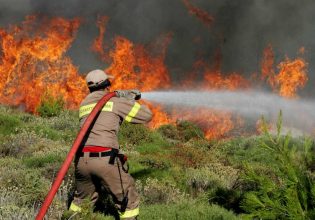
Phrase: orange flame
(215,124)
(201,14)
(34,62)
(234,81)
(292,73)
(160,117)
(137,67)
(267,66)
(213,78)
(134,66)
(292,76)
(98,44)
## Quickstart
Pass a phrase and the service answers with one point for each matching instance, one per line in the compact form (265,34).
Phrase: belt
(113,153)
(96,154)
(96,151)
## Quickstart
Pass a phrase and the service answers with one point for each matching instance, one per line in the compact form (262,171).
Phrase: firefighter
(100,164)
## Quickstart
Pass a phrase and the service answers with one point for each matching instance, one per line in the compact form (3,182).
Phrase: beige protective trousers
(94,173)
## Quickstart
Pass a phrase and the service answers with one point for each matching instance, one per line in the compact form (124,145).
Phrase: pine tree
(284,190)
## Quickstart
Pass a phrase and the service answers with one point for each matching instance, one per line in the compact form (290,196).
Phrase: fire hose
(77,143)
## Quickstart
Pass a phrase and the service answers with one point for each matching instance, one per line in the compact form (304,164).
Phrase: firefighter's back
(104,131)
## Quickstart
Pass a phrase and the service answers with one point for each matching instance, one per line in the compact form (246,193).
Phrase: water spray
(297,113)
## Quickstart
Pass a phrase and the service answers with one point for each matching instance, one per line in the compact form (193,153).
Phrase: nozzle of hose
(129,94)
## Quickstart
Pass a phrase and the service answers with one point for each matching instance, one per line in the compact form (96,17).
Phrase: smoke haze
(241,29)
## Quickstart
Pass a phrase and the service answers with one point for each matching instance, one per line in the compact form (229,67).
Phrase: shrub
(186,210)
(13,205)
(154,191)
(8,124)
(227,198)
(184,131)
(27,142)
(39,161)
(47,132)
(218,181)
(214,176)
(234,152)
(18,144)
(156,144)
(50,106)
(200,143)
(134,134)
(188,155)
(154,163)
(29,182)
(26,118)
(63,127)
(5,109)
(13,212)
(66,120)
(169,131)
(88,211)
(188,130)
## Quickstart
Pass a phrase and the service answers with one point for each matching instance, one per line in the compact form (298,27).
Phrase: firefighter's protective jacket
(105,129)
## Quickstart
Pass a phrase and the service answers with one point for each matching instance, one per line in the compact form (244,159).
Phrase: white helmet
(96,77)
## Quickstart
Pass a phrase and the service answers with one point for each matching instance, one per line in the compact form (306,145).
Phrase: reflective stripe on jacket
(105,129)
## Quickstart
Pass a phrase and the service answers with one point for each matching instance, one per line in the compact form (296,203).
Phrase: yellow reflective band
(108,107)
(74,207)
(87,109)
(133,112)
(129,213)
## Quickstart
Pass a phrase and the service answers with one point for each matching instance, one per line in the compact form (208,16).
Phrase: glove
(136,93)
(129,94)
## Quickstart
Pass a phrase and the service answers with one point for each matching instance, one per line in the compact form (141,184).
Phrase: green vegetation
(184,130)
(179,174)
(50,106)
